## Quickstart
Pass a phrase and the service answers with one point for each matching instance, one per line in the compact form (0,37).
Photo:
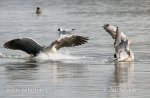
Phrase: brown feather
(71,41)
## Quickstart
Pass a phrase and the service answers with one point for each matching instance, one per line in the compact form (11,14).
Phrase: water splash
(13,56)
(108,60)
(2,55)
(59,56)
(63,56)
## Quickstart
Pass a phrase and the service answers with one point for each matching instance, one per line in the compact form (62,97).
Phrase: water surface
(82,72)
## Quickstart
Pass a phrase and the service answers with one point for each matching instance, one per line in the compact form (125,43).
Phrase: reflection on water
(61,70)
(124,74)
(21,70)
(123,82)
(22,65)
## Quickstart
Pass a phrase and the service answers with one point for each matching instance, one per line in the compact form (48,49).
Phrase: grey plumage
(121,44)
(29,46)
(25,44)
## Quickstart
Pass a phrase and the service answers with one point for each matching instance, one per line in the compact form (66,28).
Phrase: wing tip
(10,44)
(6,45)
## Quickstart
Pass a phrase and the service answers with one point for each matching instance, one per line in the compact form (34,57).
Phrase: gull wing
(112,31)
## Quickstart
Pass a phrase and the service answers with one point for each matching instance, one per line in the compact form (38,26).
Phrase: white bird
(121,44)
(63,32)
(31,47)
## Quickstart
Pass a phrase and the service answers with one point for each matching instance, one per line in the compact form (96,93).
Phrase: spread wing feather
(25,44)
(69,41)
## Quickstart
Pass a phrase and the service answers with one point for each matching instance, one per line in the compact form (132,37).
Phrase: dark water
(82,72)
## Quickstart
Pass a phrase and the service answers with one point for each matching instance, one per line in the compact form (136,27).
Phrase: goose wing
(70,40)
(27,45)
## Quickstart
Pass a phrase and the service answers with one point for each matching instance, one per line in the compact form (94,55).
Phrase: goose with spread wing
(121,44)
(31,47)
